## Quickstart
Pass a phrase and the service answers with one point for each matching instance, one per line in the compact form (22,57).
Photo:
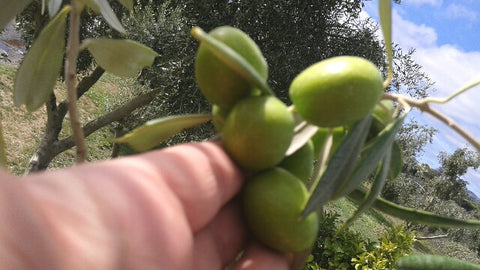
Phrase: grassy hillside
(23,130)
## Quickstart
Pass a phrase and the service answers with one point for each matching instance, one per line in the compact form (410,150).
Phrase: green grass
(23,130)
(371,224)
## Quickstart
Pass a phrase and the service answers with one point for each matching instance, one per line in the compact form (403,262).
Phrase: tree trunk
(51,146)
(55,116)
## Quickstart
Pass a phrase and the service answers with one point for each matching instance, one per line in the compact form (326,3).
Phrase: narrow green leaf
(375,191)
(40,67)
(128,4)
(120,57)
(385,12)
(413,215)
(303,133)
(109,16)
(233,60)
(154,132)
(104,8)
(54,7)
(9,9)
(396,164)
(43,7)
(369,160)
(434,262)
(92,4)
(339,167)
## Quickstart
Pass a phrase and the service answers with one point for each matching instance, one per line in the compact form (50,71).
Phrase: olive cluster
(257,129)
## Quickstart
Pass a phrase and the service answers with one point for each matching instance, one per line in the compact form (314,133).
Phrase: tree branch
(116,115)
(83,86)
(423,105)
(432,237)
(71,79)
(55,116)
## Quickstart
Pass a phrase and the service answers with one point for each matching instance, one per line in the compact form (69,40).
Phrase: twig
(423,105)
(466,87)
(432,237)
(71,80)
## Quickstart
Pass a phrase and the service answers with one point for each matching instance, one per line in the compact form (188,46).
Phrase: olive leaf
(234,60)
(92,4)
(375,190)
(371,157)
(9,9)
(303,132)
(109,16)
(396,163)
(340,166)
(414,215)
(104,8)
(128,4)
(120,57)
(40,67)
(53,7)
(154,132)
(434,262)
(385,12)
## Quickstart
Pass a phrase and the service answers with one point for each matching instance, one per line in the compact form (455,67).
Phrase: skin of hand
(167,209)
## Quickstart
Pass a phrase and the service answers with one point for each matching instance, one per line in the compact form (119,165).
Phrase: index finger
(202,176)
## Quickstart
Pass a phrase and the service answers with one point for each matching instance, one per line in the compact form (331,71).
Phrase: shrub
(395,243)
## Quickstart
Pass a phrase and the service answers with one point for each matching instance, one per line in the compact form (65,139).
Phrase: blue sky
(446,36)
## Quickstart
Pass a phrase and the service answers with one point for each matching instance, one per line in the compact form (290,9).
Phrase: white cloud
(456,11)
(411,35)
(448,66)
(451,68)
(426,2)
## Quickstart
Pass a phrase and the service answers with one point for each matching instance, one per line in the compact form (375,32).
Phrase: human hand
(168,209)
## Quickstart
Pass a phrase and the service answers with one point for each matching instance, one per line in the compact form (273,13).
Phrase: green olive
(218,82)
(300,163)
(258,132)
(273,202)
(337,91)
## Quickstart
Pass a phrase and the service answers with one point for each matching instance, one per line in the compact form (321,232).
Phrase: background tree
(451,186)
(291,35)
(444,192)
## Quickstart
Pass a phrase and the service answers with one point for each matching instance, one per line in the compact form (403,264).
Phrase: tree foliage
(456,164)
(291,35)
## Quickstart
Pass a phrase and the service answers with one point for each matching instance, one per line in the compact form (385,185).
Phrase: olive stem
(389,78)
(466,87)
(424,106)
(71,80)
